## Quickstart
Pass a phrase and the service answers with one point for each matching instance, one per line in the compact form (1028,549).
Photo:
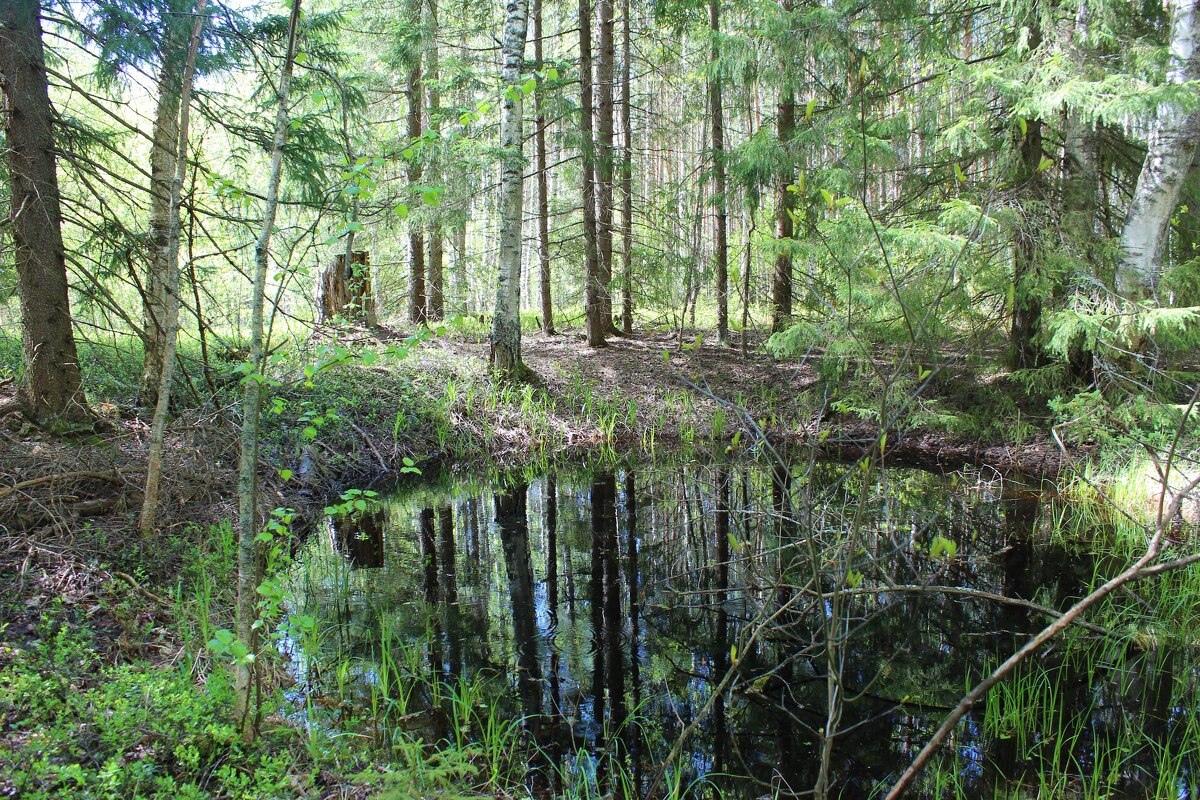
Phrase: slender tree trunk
(605,156)
(721,221)
(506,325)
(249,555)
(626,177)
(594,286)
(462,289)
(1173,144)
(436,286)
(1081,180)
(781,283)
(543,193)
(163,154)
(416,242)
(747,264)
(1024,348)
(51,389)
(170,280)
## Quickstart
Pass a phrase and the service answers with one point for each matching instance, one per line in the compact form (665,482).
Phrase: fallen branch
(144,592)
(1142,568)
(976,593)
(111,477)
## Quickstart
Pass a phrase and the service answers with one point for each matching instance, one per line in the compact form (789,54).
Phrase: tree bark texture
(597,327)
(51,389)
(1172,148)
(347,292)
(721,218)
(543,194)
(506,323)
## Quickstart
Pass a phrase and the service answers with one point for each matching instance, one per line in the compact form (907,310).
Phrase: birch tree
(169,309)
(506,327)
(1174,138)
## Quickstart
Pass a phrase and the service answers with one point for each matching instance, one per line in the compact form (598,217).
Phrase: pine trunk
(543,193)
(721,221)
(605,157)
(597,327)
(781,283)
(416,243)
(51,389)
(626,178)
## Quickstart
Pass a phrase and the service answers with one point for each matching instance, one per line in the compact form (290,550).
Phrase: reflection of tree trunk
(360,538)
(614,620)
(635,673)
(513,524)
(429,555)
(721,657)
(552,588)
(781,503)
(603,517)
(450,587)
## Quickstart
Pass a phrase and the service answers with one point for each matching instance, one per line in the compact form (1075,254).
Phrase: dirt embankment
(52,488)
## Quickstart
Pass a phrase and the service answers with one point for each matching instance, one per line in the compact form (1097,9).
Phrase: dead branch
(111,477)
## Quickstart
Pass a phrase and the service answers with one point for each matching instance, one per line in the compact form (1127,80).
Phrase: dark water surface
(589,596)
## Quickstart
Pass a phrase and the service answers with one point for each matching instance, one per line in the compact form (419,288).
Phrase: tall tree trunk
(249,555)
(626,177)
(1024,347)
(51,390)
(785,203)
(605,156)
(170,279)
(721,221)
(462,289)
(506,324)
(594,286)
(747,265)
(437,297)
(543,193)
(1081,180)
(416,242)
(1173,143)
(163,154)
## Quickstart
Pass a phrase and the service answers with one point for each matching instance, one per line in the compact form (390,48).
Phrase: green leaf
(286,474)
(552,74)
(529,86)
(402,211)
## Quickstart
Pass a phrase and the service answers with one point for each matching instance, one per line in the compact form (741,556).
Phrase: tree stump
(346,293)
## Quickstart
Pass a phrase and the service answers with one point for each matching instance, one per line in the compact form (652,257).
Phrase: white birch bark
(169,321)
(1172,148)
(506,326)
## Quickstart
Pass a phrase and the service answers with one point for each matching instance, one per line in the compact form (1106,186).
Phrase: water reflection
(594,595)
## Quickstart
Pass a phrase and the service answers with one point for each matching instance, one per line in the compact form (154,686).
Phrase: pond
(802,627)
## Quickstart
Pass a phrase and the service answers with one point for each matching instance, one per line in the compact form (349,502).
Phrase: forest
(600,399)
